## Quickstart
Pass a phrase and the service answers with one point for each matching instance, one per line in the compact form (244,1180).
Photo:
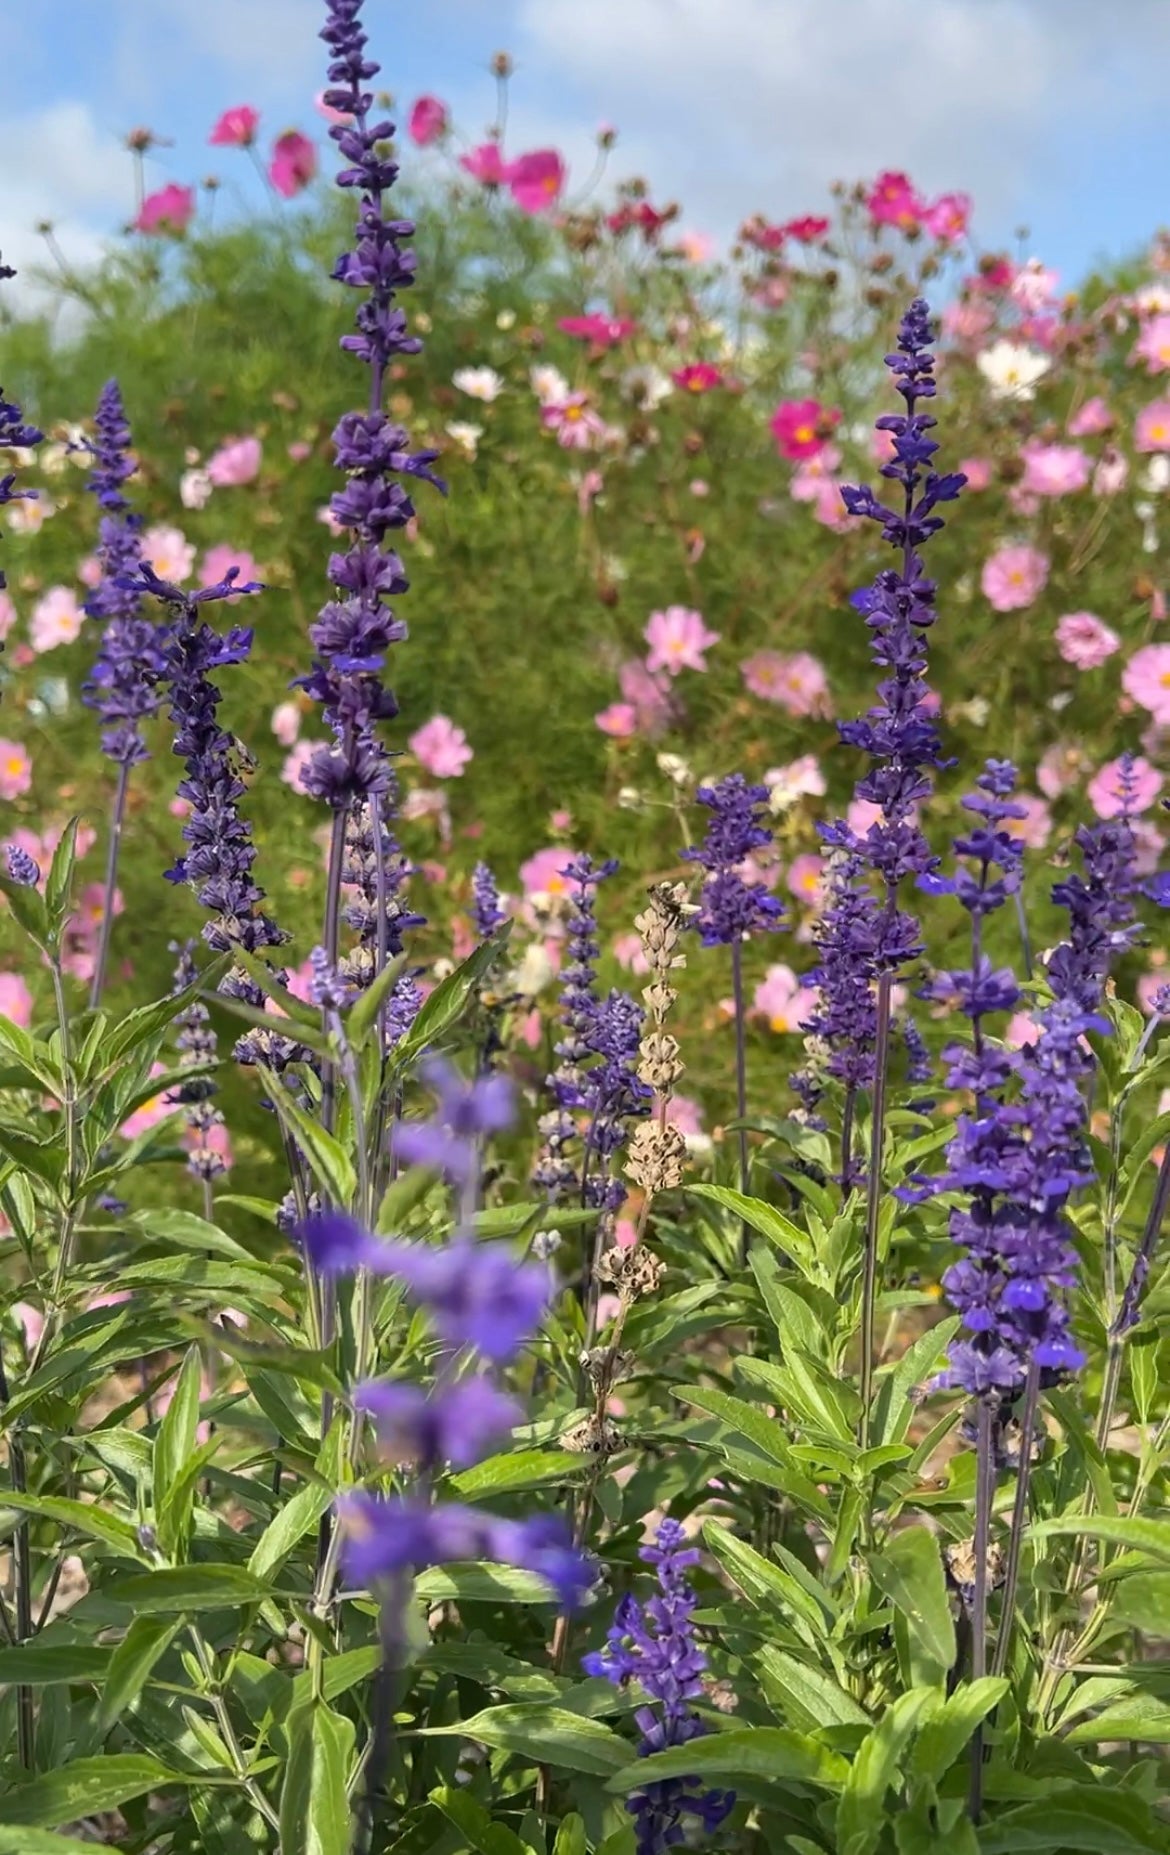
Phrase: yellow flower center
(14,764)
(804,434)
(779,1022)
(573,413)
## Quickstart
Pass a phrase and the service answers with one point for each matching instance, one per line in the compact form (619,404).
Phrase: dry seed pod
(632,1272)
(593,1436)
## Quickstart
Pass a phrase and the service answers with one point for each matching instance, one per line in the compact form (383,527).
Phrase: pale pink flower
(1151,431)
(1148,846)
(678,639)
(170,210)
(977,471)
(796,683)
(7,614)
(15,770)
(1013,577)
(1093,417)
(1021,1030)
(327,110)
(429,802)
(237,461)
(968,324)
(687,1116)
(1109,798)
(947,217)
(1146,677)
(428,121)
(625,1233)
(1112,473)
(1148,985)
(1082,639)
(326,516)
(645,705)
(536,181)
(485,164)
(543,873)
(293,163)
(810,476)
(1035,827)
(15,1000)
(150,1113)
(783,999)
(1053,469)
(218,562)
(293,770)
(1153,345)
(805,879)
(629,953)
(286,722)
(861,814)
(829,508)
(300,450)
(1034,287)
(1061,766)
(799,779)
(31,1321)
(236,128)
(441,748)
(619,720)
(169,552)
(57,618)
(578,426)
(589,489)
(299,981)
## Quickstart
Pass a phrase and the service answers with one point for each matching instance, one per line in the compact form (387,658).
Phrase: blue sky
(1050,118)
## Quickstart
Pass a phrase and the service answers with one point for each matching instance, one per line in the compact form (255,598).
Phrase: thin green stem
(117,819)
(741,1088)
(984,1494)
(873,1195)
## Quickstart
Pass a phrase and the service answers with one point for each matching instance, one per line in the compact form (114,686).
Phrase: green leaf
(42,1664)
(289,1525)
(910,1573)
(25,1841)
(314,1804)
(506,1474)
(364,1011)
(1104,1822)
(546,1736)
(745,1420)
(861,1813)
(330,1163)
(144,1643)
(946,1733)
(84,1517)
(1149,1536)
(1142,1599)
(1139,1717)
(766,1583)
(765,1218)
(59,882)
(179,1588)
(1144,1376)
(447,1003)
(792,1318)
(87,1786)
(915,1367)
(807,1697)
(481,1583)
(174,1443)
(188,1232)
(28,909)
(475,1824)
(772,1752)
(30,1056)
(570,1836)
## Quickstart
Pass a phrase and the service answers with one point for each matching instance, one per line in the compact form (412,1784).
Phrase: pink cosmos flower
(1053,469)
(1035,827)
(542,873)
(796,683)
(292,164)
(236,128)
(977,471)
(1146,678)
(57,618)
(15,1000)
(236,462)
(783,1000)
(218,561)
(801,427)
(1034,287)
(1153,345)
(1013,577)
(805,878)
(1151,430)
(861,814)
(169,552)
(441,748)
(150,1113)
(1112,472)
(603,331)
(678,639)
(428,121)
(892,200)
(168,211)
(1148,986)
(1109,799)
(1020,1030)
(1082,639)
(15,770)
(947,217)
(968,324)
(687,1116)
(1094,416)
(7,615)
(536,181)
(485,164)
(293,770)
(800,778)
(629,952)
(286,722)
(619,721)
(698,377)
(577,425)
(1061,766)
(327,110)
(806,230)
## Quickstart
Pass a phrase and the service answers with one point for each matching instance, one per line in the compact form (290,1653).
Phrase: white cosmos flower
(647,386)
(195,488)
(466,436)
(1012,369)
(534,972)
(549,384)
(1156,475)
(479,383)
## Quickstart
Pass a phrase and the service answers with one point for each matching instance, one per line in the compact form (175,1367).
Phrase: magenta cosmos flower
(796,683)
(237,461)
(1053,469)
(802,427)
(236,128)
(293,163)
(170,210)
(698,377)
(678,639)
(428,121)
(1151,430)
(1146,678)
(603,331)
(1110,793)
(485,164)
(1013,577)
(948,217)
(893,200)
(1082,639)
(441,748)
(536,181)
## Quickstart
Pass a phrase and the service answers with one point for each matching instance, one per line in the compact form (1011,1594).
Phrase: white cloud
(78,178)
(267,41)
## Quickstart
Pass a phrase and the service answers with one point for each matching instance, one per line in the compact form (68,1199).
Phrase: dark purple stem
(881,1051)
(741,1087)
(984,1494)
(117,819)
(1011,1577)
